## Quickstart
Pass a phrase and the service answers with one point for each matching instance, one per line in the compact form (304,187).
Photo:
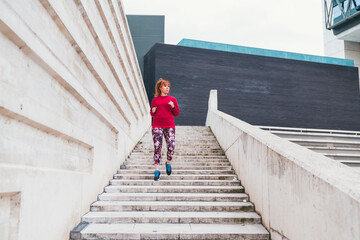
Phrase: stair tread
(171,180)
(174,170)
(331,148)
(177,194)
(157,228)
(171,214)
(202,199)
(170,203)
(323,141)
(184,175)
(175,186)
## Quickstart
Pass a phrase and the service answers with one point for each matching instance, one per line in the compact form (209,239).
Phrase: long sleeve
(152,105)
(176,110)
(164,114)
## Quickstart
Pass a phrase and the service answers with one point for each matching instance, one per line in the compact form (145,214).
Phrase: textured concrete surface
(299,193)
(72,106)
(188,204)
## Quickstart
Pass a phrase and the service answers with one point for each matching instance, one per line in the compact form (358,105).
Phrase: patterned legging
(157,134)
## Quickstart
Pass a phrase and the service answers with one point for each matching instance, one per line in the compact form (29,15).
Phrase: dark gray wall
(146,30)
(259,90)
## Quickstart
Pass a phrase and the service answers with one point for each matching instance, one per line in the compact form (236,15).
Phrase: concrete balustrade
(72,107)
(300,194)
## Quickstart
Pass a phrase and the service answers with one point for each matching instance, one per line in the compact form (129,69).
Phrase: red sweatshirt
(164,115)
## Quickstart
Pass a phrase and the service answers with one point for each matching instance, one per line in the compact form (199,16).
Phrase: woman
(163,109)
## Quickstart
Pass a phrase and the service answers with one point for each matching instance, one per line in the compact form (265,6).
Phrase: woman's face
(164,89)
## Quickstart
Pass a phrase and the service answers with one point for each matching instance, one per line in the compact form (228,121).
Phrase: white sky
(285,25)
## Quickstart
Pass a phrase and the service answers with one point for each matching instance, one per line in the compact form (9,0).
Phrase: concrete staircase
(202,199)
(342,146)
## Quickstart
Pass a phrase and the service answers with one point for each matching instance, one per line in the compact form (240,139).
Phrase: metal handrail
(309,130)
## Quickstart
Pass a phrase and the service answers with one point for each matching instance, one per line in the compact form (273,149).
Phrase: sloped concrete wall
(72,107)
(299,194)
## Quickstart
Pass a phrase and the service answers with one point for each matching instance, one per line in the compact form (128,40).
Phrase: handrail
(309,130)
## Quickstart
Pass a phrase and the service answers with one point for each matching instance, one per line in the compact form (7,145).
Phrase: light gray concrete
(176,231)
(198,203)
(72,107)
(342,146)
(222,197)
(171,217)
(300,194)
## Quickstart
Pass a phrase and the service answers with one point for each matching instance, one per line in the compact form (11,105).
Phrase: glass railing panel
(338,11)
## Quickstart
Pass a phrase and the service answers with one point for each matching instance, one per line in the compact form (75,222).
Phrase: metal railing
(338,12)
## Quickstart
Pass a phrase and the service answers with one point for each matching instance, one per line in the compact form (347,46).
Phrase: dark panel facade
(257,89)
(146,30)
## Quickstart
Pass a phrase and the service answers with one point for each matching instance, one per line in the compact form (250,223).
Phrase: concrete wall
(72,107)
(300,194)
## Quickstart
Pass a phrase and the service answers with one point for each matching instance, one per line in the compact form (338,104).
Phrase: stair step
(183,151)
(176,182)
(204,197)
(182,141)
(179,167)
(172,217)
(317,136)
(193,159)
(177,177)
(174,231)
(188,164)
(183,161)
(181,147)
(188,154)
(176,171)
(354,157)
(323,143)
(177,206)
(340,150)
(194,156)
(180,164)
(176,189)
(180,137)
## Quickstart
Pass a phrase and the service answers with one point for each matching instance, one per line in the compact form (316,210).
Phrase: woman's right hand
(153,109)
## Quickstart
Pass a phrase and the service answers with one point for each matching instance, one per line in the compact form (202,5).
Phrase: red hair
(159,84)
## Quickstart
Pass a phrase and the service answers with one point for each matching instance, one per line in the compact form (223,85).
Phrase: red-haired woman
(163,109)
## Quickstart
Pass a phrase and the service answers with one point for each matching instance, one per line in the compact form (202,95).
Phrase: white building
(342,29)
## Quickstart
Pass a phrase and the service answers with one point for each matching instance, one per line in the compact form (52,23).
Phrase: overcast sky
(286,25)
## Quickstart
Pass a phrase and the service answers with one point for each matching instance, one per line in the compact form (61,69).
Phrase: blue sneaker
(168,168)
(157,174)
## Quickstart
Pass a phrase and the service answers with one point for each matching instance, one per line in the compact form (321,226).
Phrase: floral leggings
(157,134)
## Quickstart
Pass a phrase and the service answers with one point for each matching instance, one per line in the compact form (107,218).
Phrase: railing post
(213,101)
(212,105)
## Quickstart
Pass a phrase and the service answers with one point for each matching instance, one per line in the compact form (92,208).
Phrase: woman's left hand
(171,104)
